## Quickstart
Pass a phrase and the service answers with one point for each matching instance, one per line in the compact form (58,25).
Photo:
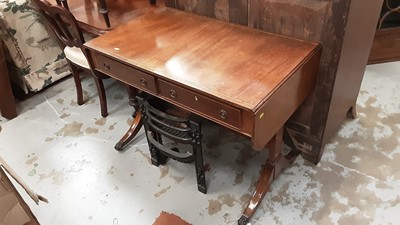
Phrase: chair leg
(104,11)
(157,158)
(200,175)
(102,96)
(198,157)
(78,83)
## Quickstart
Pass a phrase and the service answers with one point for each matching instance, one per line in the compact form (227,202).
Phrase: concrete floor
(65,152)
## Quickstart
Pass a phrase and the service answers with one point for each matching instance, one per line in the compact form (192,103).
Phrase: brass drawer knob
(223,114)
(172,93)
(106,66)
(143,81)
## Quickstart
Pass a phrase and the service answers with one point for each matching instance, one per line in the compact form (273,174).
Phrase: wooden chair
(71,39)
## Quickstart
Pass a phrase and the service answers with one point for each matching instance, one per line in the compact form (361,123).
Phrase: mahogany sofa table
(246,80)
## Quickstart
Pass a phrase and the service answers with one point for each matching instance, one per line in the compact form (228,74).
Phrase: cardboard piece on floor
(169,219)
(14,210)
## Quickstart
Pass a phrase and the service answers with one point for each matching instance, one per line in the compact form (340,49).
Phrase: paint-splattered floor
(65,152)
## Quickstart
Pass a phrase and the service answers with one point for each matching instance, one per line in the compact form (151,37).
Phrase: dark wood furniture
(70,38)
(7,103)
(386,45)
(345,30)
(244,79)
(163,123)
(98,17)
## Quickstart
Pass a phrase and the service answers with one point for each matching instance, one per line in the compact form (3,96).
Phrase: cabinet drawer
(125,73)
(219,111)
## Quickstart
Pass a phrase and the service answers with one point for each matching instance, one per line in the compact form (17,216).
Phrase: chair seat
(76,56)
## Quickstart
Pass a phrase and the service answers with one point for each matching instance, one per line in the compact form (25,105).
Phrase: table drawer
(207,106)
(125,73)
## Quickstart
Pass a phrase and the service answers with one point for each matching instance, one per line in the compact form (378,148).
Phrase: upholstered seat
(76,56)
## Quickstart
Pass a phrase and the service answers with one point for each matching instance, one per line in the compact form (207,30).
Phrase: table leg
(7,103)
(104,10)
(276,162)
(137,122)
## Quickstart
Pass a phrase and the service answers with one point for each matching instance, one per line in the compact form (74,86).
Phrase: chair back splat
(62,22)
(183,130)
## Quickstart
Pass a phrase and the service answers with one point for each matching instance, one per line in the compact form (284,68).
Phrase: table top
(120,11)
(238,64)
